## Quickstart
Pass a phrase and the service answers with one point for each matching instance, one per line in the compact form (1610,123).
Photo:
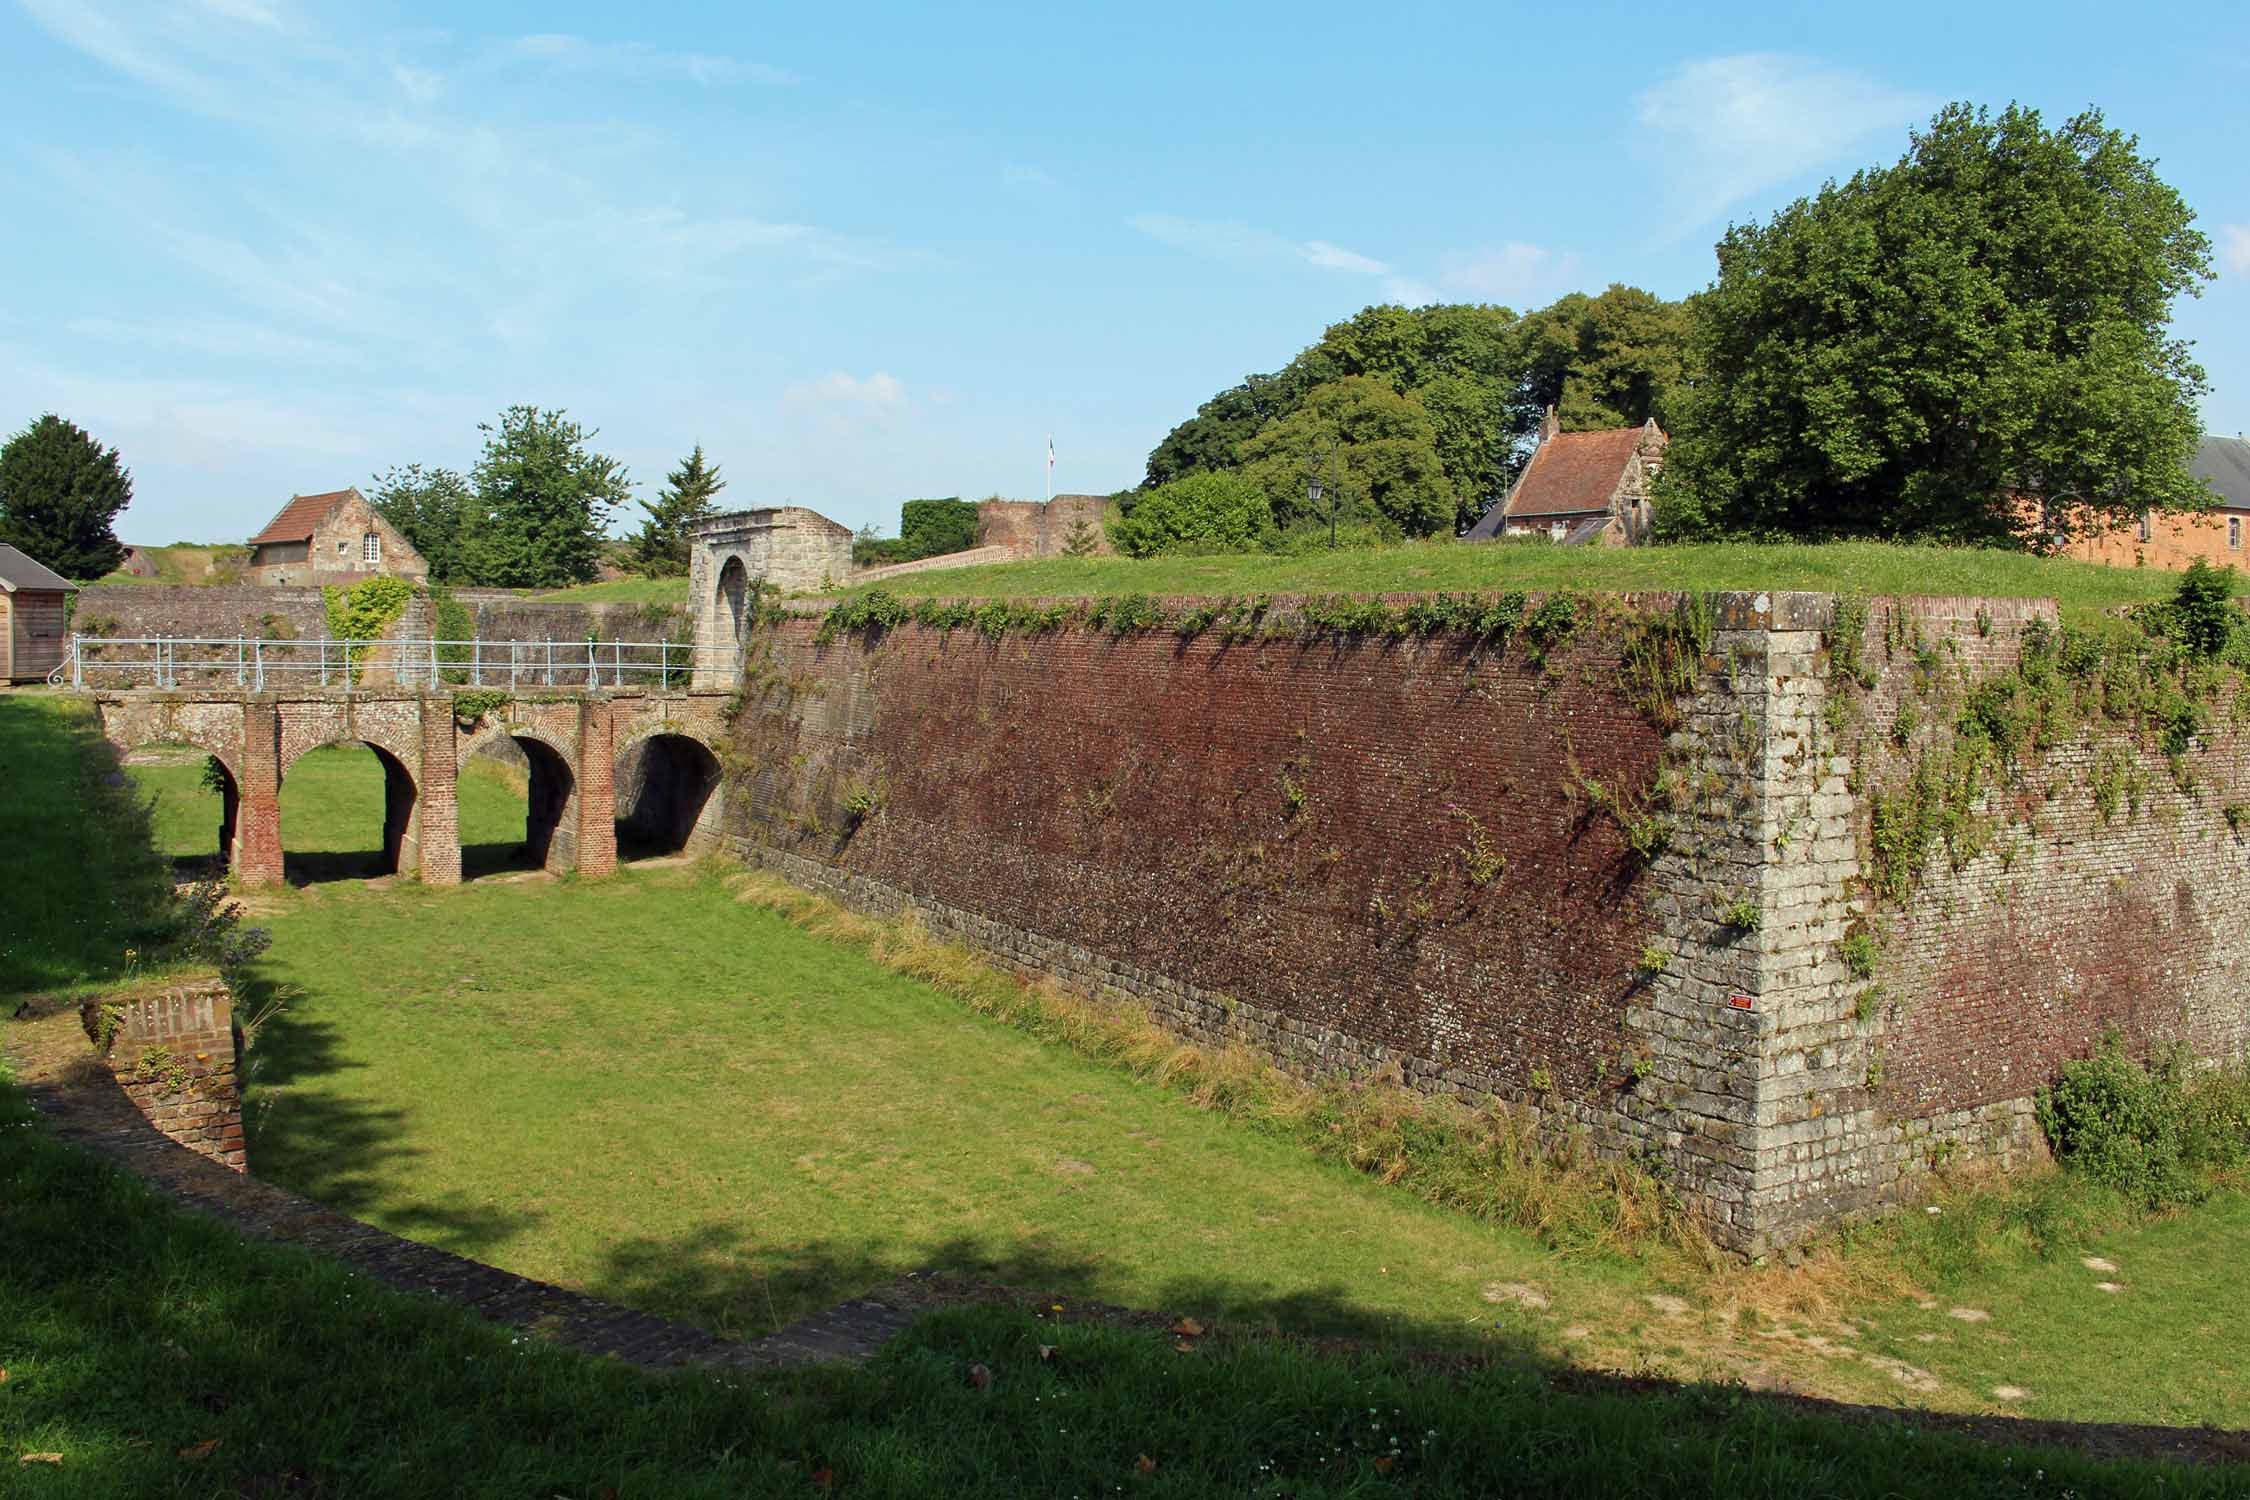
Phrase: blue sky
(866,253)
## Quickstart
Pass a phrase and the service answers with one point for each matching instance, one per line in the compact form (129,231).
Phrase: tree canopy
(430,508)
(543,498)
(661,547)
(1480,376)
(1901,353)
(1387,466)
(60,492)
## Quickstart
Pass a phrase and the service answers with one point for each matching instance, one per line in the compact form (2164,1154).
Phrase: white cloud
(2234,248)
(1021,176)
(1512,271)
(638,60)
(1239,242)
(1723,129)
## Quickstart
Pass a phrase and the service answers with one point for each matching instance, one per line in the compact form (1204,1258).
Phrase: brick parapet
(173,1051)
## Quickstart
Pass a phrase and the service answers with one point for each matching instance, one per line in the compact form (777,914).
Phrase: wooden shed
(34,601)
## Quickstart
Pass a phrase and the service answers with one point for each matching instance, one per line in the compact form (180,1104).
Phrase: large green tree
(1386,460)
(1609,361)
(1481,375)
(1901,353)
(660,549)
(543,499)
(431,507)
(60,492)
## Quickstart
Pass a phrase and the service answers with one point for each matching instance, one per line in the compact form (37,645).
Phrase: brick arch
(402,799)
(124,733)
(491,732)
(668,800)
(551,801)
(127,730)
(405,760)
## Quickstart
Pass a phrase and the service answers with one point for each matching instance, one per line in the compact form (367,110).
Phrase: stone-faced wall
(2091,884)
(152,609)
(1399,853)
(172,1050)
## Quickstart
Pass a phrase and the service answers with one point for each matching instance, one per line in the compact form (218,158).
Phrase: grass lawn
(2084,590)
(645,1088)
(623,591)
(718,1116)
(148,1352)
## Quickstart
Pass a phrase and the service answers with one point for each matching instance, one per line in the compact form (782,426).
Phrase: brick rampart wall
(1267,841)
(173,1052)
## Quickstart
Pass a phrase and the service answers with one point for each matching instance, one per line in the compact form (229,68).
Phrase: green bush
(1212,510)
(2146,1129)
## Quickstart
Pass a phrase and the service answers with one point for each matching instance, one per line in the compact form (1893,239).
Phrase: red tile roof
(300,516)
(1573,473)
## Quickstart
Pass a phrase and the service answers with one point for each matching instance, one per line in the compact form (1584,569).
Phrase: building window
(371,549)
(2146,528)
(1555,530)
(2234,532)
(342,546)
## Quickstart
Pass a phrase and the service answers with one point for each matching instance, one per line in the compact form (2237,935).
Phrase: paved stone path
(80,1103)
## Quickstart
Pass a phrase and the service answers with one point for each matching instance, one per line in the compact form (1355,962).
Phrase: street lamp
(1314,490)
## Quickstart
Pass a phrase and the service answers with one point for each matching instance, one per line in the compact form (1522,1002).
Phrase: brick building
(1581,487)
(332,538)
(2174,541)
(34,603)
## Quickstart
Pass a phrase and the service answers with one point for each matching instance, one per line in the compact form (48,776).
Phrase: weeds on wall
(1937,779)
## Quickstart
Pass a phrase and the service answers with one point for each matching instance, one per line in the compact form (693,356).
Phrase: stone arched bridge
(573,746)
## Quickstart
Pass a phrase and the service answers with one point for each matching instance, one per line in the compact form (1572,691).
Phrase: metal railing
(257,665)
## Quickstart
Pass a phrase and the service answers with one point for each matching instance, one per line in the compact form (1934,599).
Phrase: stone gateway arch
(787,548)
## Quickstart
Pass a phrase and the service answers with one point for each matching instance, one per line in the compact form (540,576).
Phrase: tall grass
(1496,1161)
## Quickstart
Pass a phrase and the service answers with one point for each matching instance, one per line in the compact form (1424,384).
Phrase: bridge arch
(550,834)
(670,793)
(401,847)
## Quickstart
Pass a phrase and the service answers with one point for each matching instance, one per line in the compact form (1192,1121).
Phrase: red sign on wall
(1740,1002)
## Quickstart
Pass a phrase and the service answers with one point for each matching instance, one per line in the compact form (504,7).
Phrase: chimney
(1549,425)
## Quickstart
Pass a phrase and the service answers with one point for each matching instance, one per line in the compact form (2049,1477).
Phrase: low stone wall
(969,559)
(173,1051)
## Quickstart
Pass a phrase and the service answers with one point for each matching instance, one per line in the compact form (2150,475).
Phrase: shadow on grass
(341,1152)
(719,1276)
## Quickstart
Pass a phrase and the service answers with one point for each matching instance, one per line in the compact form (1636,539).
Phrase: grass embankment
(622,591)
(153,1353)
(2084,590)
(191,563)
(789,1113)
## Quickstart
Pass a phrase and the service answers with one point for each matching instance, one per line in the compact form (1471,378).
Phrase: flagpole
(1050,468)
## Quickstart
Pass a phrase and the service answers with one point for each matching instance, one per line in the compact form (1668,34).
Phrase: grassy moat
(657,1089)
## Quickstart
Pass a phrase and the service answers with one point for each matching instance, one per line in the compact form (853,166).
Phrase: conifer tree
(60,492)
(690,493)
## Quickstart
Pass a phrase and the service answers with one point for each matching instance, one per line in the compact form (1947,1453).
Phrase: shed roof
(1574,473)
(297,519)
(2224,464)
(19,571)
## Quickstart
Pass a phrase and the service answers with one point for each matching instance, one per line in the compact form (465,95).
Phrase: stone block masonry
(173,1051)
(1362,853)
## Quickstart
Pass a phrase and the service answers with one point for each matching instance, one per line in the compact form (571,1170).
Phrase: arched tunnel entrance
(327,802)
(195,805)
(667,798)
(518,808)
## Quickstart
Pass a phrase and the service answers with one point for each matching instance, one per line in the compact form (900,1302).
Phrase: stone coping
(81,1104)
